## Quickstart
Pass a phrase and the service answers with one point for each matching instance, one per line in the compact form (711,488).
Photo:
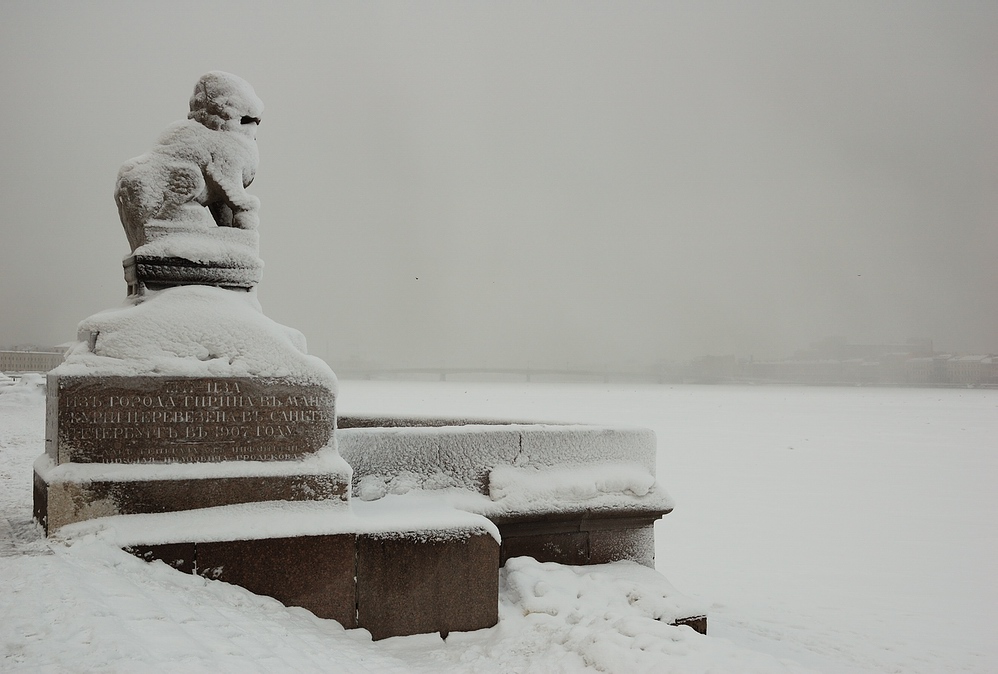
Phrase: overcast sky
(534,184)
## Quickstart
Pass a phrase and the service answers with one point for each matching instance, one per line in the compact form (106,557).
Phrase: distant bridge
(501,374)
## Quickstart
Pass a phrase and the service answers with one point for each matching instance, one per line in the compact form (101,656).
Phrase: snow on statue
(196,176)
(194,262)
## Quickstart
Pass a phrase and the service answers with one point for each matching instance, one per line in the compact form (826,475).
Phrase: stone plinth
(439,573)
(148,272)
(76,492)
(118,419)
(117,445)
(580,538)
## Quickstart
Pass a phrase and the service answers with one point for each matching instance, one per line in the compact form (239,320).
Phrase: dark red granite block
(114,419)
(414,583)
(565,548)
(178,555)
(314,572)
(161,496)
(696,623)
(65,502)
(614,545)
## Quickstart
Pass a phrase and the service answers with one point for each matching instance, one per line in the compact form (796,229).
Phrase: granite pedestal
(127,445)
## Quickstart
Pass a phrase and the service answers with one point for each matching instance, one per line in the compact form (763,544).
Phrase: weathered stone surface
(390,583)
(467,451)
(180,556)
(614,545)
(696,623)
(40,501)
(67,501)
(563,548)
(314,572)
(172,419)
(156,273)
(580,538)
(408,583)
(465,456)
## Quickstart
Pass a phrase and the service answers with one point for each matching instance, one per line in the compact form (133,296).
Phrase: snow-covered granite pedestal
(190,399)
(188,396)
(190,428)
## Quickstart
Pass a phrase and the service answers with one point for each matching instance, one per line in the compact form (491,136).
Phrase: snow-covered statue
(196,176)
(184,205)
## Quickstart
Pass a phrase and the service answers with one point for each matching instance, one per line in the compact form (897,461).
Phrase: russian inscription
(153,419)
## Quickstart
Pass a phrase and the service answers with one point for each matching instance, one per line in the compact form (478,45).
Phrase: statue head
(222,101)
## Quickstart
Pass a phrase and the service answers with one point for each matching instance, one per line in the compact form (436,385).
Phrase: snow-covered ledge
(572,493)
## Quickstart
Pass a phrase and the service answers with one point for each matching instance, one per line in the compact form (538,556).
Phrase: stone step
(73,492)
(580,538)
(392,573)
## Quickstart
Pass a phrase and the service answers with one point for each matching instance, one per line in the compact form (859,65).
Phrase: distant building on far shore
(973,370)
(838,348)
(837,362)
(31,361)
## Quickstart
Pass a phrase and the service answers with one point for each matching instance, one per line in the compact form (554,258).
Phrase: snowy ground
(845,529)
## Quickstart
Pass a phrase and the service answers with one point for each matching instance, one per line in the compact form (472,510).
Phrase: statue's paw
(246,219)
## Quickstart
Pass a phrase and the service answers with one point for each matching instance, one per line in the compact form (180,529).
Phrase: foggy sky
(534,184)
